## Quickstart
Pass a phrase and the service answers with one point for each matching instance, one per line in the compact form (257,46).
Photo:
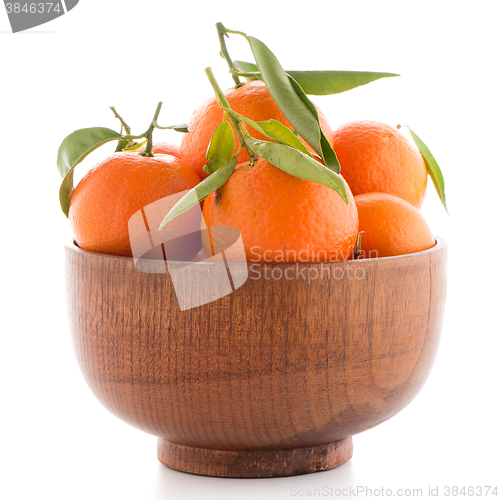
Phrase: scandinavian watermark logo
(205,264)
(24,15)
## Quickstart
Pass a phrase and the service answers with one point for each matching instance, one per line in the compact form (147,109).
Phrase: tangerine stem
(149,134)
(182,127)
(223,32)
(357,248)
(221,98)
(122,144)
(132,137)
(122,121)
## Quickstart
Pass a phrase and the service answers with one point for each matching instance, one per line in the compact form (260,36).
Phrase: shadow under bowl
(272,379)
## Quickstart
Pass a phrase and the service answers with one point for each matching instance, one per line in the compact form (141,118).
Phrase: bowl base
(254,463)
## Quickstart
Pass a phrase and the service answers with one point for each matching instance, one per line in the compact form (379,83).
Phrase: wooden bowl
(270,380)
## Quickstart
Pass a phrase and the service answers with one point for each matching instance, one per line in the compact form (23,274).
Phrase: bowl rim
(439,246)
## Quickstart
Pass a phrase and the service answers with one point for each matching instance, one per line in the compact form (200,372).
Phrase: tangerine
(282,218)
(391,226)
(375,157)
(251,100)
(115,189)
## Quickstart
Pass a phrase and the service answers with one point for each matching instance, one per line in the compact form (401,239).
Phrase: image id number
(33,8)
(471,491)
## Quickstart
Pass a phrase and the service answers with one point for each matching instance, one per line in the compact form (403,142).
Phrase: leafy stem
(223,32)
(149,133)
(232,116)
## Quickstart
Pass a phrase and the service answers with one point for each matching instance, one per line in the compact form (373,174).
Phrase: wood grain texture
(279,364)
(254,463)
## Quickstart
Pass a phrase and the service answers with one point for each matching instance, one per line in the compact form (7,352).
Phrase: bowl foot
(254,463)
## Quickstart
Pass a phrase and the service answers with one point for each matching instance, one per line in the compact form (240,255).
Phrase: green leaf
(293,102)
(323,82)
(182,127)
(65,192)
(274,130)
(221,147)
(79,144)
(334,82)
(250,69)
(327,152)
(73,150)
(302,118)
(299,165)
(329,155)
(201,191)
(432,167)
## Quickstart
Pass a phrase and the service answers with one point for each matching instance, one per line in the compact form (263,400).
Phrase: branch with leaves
(79,144)
(284,149)
(288,90)
(268,69)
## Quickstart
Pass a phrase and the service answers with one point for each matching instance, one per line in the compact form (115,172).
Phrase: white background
(57,442)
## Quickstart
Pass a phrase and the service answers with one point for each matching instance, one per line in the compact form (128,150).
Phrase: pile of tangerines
(254,163)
